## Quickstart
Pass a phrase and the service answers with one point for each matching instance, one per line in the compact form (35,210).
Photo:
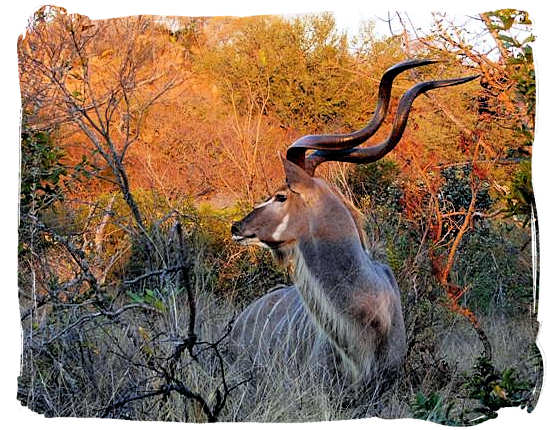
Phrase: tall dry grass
(95,365)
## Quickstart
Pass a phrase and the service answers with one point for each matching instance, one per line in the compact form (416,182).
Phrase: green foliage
(520,68)
(151,297)
(488,388)
(520,52)
(376,184)
(456,192)
(432,408)
(494,389)
(41,170)
(493,264)
(214,226)
(456,195)
(521,198)
(393,257)
(299,68)
(503,21)
(43,183)
(401,240)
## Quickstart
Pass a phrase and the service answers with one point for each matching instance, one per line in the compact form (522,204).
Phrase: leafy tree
(300,69)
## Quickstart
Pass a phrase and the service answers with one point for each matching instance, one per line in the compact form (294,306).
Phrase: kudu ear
(296,177)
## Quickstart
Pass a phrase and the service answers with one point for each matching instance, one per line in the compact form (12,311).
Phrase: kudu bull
(343,315)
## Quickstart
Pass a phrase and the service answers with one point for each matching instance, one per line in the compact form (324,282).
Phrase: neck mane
(331,270)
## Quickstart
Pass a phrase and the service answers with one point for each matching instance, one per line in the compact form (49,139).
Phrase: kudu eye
(280,197)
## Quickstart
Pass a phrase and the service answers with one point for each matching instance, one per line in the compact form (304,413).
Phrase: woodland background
(144,137)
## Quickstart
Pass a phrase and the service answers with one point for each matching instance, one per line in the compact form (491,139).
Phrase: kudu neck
(329,270)
(335,265)
(332,248)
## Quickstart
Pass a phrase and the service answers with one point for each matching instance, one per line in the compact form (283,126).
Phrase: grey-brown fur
(343,315)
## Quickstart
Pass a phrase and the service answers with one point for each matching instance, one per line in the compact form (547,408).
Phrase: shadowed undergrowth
(109,365)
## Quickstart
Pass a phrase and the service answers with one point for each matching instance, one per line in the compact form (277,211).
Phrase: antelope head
(306,205)
(286,216)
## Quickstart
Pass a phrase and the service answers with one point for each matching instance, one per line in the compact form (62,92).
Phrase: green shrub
(495,264)
(431,408)
(376,185)
(494,389)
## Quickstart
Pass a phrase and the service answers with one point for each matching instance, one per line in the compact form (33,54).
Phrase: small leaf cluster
(41,169)
(149,297)
(494,389)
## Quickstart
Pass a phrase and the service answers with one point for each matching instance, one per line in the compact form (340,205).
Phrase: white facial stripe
(281,228)
(264,203)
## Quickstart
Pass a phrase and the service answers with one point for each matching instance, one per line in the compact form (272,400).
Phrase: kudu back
(342,317)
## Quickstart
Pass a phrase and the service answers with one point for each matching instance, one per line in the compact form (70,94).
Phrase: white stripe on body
(267,320)
(245,324)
